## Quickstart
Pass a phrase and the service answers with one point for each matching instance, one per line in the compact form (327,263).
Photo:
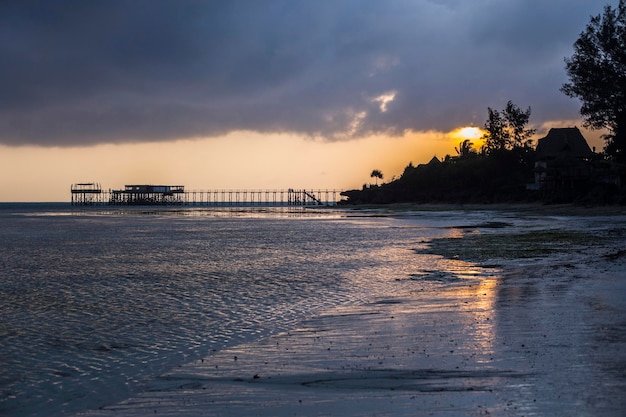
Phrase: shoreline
(538,208)
(539,337)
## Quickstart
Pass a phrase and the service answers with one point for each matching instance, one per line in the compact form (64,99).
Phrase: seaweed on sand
(536,244)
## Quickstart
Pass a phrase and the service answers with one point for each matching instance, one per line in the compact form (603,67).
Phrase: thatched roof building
(563,160)
(563,143)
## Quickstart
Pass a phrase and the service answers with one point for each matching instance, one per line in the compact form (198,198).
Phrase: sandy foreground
(541,336)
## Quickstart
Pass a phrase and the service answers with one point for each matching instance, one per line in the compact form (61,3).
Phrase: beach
(513,319)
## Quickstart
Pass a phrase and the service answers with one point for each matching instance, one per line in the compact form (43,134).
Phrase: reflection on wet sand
(483,314)
(441,336)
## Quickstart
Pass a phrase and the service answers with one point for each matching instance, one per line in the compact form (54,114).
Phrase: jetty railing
(90,194)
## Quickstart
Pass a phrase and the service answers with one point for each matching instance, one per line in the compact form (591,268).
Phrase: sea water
(96,302)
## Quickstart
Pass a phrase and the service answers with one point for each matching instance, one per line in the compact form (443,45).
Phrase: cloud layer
(87,72)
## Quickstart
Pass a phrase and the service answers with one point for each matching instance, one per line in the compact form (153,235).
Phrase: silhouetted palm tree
(465,148)
(376,174)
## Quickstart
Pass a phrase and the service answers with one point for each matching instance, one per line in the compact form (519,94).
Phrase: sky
(267,94)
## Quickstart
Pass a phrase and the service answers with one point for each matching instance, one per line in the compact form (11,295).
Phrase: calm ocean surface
(94,303)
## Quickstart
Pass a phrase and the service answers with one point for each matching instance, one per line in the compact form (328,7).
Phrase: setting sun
(469,132)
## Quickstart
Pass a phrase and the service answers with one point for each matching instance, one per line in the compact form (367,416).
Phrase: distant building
(86,194)
(148,195)
(434,161)
(563,160)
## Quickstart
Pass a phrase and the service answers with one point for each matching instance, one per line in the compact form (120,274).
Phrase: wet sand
(531,337)
(537,208)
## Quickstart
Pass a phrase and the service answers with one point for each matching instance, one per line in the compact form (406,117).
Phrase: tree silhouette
(496,136)
(597,73)
(517,120)
(465,149)
(376,174)
(507,129)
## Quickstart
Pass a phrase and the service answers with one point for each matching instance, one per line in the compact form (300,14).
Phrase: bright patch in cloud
(385,99)
(470,132)
(355,124)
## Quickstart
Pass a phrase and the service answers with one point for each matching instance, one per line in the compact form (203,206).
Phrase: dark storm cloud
(83,72)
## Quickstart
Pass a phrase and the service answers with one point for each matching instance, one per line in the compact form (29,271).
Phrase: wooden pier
(86,194)
(89,194)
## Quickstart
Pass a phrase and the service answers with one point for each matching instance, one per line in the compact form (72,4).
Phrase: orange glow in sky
(472,133)
(239,160)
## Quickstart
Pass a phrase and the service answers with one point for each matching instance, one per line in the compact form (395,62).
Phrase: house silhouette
(563,160)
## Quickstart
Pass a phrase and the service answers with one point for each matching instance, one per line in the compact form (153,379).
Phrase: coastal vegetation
(597,73)
(488,175)
(377,174)
(507,167)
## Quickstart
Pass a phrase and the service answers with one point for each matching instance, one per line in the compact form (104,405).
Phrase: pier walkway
(89,194)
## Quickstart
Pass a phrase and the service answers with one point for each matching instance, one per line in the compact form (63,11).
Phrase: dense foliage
(501,176)
(507,129)
(597,73)
(472,178)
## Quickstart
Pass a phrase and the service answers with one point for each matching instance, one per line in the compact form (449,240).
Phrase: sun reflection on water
(480,300)
(459,297)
